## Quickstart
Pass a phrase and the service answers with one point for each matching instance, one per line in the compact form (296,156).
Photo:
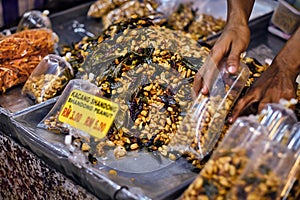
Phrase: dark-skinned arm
(278,81)
(233,41)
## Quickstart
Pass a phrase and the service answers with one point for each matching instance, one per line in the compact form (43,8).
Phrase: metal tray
(140,174)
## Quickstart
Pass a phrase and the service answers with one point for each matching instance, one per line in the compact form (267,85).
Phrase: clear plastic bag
(205,119)
(34,19)
(279,120)
(253,161)
(228,161)
(77,111)
(266,173)
(48,79)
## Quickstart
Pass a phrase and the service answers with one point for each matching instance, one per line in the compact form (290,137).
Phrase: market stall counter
(142,172)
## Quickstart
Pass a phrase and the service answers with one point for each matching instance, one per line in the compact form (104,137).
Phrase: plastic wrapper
(206,118)
(127,10)
(21,53)
(286,17)
(244,165)
(279,120)
(292,181)
(266,174)
(228,160)
(48,79)
(101,8)
(34,19)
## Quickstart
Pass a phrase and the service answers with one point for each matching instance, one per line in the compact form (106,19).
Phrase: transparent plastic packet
(294,146)
(48,79)
(269,171)
(126,11)
(206,117)
(77,111)
(34,19)
(228,161)
(279,119)
(101,8)
(243,146)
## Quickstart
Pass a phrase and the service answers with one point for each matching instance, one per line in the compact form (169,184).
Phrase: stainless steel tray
(140,175)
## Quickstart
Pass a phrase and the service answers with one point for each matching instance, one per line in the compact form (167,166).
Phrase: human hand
(274,84)
(233,41)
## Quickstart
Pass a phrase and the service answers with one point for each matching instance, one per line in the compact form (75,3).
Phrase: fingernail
(231,69)
(204,91)
(230,120)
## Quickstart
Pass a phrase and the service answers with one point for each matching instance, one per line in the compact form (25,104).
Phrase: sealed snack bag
(81,110)
(48,79)
(34,19)
(228,161)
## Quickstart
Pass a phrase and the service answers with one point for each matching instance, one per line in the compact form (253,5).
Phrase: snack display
(117,37)
(114,110)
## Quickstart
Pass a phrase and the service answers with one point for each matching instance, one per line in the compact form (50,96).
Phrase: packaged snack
(48,79)
(286,17)
(81,111)
(34,19)
(228,161)
(266,173)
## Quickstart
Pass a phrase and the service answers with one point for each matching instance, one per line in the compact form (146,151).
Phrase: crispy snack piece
(20,53)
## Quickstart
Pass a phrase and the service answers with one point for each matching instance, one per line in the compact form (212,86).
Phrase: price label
(89,113)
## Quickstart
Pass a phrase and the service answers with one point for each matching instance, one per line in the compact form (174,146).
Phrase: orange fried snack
(20,53)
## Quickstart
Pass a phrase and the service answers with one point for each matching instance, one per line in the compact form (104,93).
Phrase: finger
(205,90)
(218,52)
(197,85)
(233,60)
